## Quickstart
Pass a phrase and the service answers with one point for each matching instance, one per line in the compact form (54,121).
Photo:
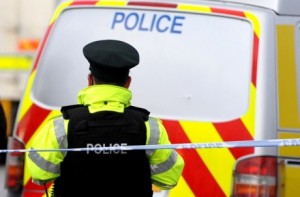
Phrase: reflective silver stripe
(43,163)
(61,135)
(154,135)
(166,165)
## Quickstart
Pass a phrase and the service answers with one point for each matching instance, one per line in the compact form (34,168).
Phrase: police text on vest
(101,148)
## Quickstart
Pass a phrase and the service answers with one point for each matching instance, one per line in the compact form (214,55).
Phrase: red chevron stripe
(196,174)
(30,186)
(32,194)
(153,4)
(228,12)
(37,59)
(31,121)
(234,131)
(254,58)
(80,2)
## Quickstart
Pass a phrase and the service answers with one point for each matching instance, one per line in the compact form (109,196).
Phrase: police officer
(105,118)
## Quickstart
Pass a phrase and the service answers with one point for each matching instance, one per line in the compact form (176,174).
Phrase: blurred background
(23,19)
(22,25)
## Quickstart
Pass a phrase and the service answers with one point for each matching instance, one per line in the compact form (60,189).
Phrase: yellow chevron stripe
(59,10)
(26,102)
(206,132)
(194,8)
(255,22)
(182,188)
(112,3)
(249,118)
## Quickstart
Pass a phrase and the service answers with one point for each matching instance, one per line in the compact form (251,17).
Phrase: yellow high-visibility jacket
(166,164)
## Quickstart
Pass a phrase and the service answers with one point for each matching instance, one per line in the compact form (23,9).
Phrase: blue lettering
(159,21)
(177,23)
(119,17)
(153,22)
(135,17)
(141,28)
(148,23)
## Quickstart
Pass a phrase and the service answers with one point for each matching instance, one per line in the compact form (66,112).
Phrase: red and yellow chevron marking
(207,172)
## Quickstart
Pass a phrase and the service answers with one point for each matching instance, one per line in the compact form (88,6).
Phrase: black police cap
(111,60)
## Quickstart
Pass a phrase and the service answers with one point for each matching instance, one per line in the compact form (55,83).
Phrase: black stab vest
(105,173)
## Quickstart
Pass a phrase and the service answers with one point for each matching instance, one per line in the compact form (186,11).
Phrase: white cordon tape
(230,144)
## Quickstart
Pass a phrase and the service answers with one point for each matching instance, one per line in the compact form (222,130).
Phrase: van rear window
(192,66)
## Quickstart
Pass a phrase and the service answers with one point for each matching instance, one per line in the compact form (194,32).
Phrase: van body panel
(292,152)
(287,79)
(288,103)
(289,177)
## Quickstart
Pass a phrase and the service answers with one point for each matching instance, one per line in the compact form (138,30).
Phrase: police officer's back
(105,118)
